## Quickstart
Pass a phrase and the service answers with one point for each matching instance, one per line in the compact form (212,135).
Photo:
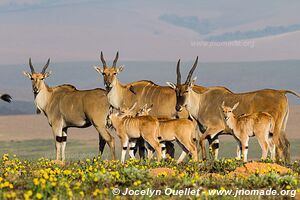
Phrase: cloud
(203,26)
(23,5)
(267,31)
(4,3)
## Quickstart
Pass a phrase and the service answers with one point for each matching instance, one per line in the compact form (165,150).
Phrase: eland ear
(121,68)
(145,106)
(235,105)
(99,69)
(171,85)
(47,74)
(223,105)
(192,83)
(28,75)
(148,110)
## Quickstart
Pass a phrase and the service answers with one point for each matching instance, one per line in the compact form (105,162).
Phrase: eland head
(183,90)
(37,78)
(228,111)
(109,73)
(145,110)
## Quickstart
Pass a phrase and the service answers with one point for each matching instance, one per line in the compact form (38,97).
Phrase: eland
(130,127)
(182,130)
(141,92)
(65,107)
(205,108)
(260,125)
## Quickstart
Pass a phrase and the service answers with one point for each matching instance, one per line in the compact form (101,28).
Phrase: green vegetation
(85,176)
(97,179)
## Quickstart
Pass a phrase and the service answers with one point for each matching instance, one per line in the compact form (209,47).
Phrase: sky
(216,31)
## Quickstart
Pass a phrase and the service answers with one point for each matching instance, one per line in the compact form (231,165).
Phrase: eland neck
(231,121)
(192,103)
(115,95)
(42,98)
(119,94)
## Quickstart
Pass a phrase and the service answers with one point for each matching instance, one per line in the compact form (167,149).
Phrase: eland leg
(154,146)
(58,136)
(271,145)
(108,138)
(215,148)
(261,137)
(209,134)
(238,151)
(163,149)
(238,148)
(170,149)
(186,142)
(124,144)
(102,144)
(272,150)
(64,143)
(132,144)
(187,147)
(150,150)
(181,157)
(141,147)
(245,143)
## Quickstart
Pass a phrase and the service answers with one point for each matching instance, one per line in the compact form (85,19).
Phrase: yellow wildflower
(70,193)
(27,195)
(36,181)
(67,172)
(81,193)
(39,195)
(137,183)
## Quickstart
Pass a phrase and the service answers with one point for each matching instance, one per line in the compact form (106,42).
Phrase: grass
(98,179)
(32,174)
(228,149)
(34,149)
(76,150)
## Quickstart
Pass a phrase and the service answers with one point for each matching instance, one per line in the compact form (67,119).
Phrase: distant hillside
(17,108)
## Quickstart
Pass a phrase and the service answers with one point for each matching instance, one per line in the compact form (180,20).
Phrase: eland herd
(149,117)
